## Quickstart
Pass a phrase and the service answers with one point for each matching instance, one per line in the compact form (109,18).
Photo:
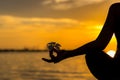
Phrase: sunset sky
(34,23)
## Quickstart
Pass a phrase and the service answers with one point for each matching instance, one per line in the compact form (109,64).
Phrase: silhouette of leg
(101,65)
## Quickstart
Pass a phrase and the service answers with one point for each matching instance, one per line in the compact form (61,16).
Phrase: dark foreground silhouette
(102,66)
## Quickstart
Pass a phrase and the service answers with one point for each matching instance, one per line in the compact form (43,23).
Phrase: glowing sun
(111,53)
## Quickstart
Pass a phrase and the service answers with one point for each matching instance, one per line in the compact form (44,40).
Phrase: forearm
(89,47)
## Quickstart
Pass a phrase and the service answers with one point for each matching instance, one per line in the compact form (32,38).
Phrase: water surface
(29,66)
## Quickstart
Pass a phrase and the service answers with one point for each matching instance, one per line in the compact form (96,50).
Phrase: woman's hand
(60,55)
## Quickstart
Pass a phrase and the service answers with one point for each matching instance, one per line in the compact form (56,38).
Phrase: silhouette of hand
(55,58)
(54,47)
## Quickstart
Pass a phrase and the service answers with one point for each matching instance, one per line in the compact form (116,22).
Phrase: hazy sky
(34,23)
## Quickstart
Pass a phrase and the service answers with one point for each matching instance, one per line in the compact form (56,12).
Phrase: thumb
(47,60)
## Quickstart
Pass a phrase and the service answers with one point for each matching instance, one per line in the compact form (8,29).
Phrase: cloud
(10,22)
(44,25)
(49,8)
(68,4)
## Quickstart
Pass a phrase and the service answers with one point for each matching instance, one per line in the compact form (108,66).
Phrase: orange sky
(34,24)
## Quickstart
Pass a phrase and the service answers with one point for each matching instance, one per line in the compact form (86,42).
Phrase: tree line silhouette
(23,50)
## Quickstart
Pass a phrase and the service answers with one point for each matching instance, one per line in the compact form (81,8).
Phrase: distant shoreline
(22,50)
